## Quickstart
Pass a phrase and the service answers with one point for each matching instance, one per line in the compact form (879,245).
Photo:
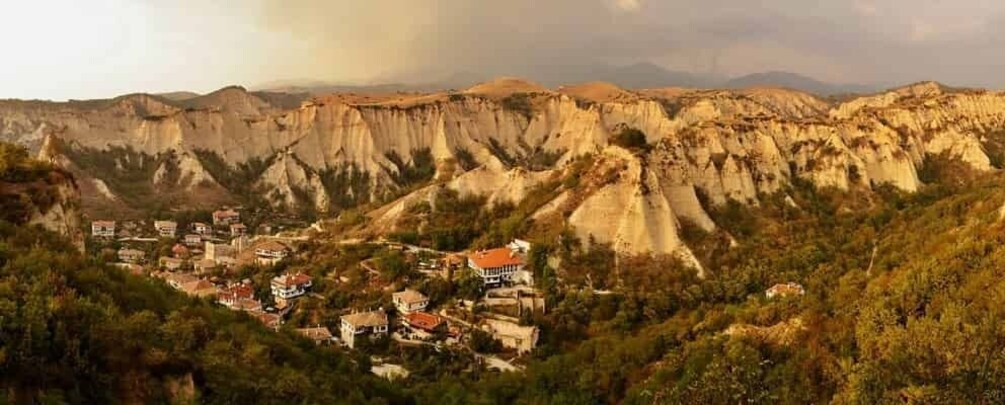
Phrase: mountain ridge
(699,148)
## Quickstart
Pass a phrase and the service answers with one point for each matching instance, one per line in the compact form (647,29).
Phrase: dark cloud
(852,41)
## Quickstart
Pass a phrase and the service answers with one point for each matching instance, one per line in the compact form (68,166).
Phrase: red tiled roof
(291,280)
(236,292)
(493,258)
(425,321)
(103,224)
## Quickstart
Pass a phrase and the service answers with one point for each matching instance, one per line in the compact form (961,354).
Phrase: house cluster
(201,246)
(226,222)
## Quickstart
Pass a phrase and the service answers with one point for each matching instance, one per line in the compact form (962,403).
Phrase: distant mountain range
(635,76)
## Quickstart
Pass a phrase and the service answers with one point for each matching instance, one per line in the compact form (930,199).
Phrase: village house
(226,217)
(199,288)
(424,323)
(176,280)
(171,263)
(320,334)
(166,229)
(202,228)
(785,290)
(128,255)
(239,297)
(271,321)
(222,254)
(514,301)
(495,266)
(270,253)
(289,286)
(103,229)
(204,266)
(192,240)
(512,335)
(360,324)
(409,301)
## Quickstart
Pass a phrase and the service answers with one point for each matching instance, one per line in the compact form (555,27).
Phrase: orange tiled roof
(424,321)
(493,258)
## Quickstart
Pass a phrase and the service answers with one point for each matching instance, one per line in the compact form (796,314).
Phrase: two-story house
(202,228)
(496,266)
(362,325)
(103,229)
(409,301)
(270,253)
(289,286)
(166,229)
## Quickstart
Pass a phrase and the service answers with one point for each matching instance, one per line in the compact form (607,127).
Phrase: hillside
(76,331)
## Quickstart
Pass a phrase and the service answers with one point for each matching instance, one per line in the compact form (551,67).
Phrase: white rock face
(718,145)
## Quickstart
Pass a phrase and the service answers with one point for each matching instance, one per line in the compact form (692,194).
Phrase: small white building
(354,326)
(166,229)
(202,228)
(103,229)
(192,240)
(409,301)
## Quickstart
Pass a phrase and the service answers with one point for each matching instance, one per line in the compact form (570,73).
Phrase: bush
(630,138)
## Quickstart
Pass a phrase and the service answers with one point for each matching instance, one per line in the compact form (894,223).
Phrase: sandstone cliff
(502,138)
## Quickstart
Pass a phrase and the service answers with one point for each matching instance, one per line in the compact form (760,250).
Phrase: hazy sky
(61,49)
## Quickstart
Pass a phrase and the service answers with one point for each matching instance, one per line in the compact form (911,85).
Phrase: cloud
(169,45)
(628,5)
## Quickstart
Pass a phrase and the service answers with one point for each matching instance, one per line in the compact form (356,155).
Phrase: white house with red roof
(226,217)
(496,266)
(288,286)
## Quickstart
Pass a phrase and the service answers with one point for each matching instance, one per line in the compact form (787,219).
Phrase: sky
(71,49)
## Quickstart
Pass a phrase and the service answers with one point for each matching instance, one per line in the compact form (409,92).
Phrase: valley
(670,245)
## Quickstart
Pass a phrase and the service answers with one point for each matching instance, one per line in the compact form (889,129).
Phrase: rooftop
(409,296)
(103,223)
(366,319)
(492,258)
(292,280)
(424,321)
(272,246)
(318,333)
